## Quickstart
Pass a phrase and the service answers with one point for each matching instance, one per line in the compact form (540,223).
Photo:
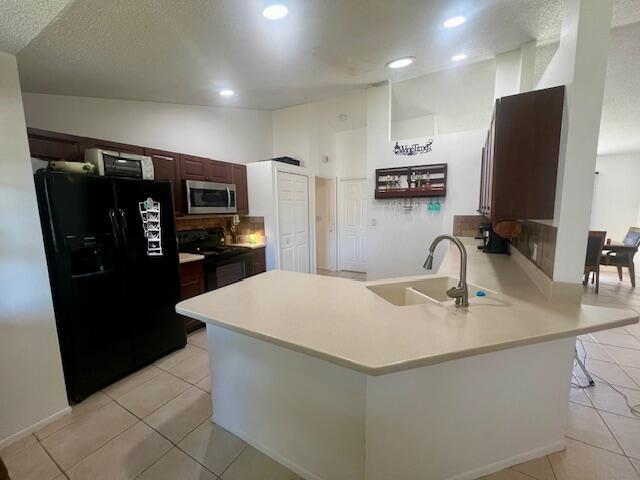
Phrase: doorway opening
(326,258)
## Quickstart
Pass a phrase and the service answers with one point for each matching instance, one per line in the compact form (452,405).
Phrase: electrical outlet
(374,222)
(534,252)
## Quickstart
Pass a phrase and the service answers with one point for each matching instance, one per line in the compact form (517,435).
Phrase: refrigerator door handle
(125,226)
(114,227)
(228,198)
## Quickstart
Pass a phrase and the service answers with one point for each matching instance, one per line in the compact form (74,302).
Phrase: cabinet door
(166,166)
(54,146)
(482,180)
(193,168)
(191,284)
(218,171)
(258,260)
(113,146)
(239,178)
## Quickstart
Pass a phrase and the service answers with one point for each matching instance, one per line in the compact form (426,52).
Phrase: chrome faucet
(459,292)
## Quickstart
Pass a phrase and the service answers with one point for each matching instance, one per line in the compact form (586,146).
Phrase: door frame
(339,215)
(333,258)
(312,210)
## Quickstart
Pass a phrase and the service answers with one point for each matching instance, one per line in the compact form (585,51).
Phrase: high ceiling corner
(22,20)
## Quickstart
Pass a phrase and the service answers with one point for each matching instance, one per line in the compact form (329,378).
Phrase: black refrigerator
(114,291)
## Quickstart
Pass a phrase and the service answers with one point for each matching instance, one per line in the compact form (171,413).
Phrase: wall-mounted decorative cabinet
(409,182)
(520,156)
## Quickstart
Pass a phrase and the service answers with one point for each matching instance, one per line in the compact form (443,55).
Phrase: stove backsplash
(246,226)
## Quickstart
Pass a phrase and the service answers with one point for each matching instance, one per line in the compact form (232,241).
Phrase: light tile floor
(155,424)
(603,436)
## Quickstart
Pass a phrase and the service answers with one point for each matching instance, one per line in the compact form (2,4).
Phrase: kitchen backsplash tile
(541,238)
(246,226)
(468,225)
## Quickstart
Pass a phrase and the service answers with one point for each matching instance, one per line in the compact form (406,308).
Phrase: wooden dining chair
(595,244)
(625,259)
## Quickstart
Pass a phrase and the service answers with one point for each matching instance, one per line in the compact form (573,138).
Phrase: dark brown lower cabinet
(191,284)
(259,260)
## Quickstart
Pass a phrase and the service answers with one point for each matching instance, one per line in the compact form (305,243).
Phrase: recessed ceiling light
(275,12)
(454,22)
(458,57)
(401,62)
(227,92)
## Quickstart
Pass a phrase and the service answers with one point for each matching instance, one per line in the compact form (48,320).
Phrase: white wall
(398,242)
(311,132)
(580,63)
(31,379)
(291,133)
(461,98)
(616,196)
(414,127)
(227,134)
(351,153)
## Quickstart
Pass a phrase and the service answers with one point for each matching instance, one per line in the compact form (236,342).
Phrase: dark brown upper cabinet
(113,146)
(204,169)
(218,171)
(175,167)
(520,156)
(55,146)
(166,166)
(193,168)
(239,178)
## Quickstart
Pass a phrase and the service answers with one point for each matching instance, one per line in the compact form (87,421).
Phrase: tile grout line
(90,412)
(237,457)
(64,473)
(195,459)
(553,472)
(622,452)
(98,448)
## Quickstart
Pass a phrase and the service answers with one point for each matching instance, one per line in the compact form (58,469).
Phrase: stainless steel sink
(415,292)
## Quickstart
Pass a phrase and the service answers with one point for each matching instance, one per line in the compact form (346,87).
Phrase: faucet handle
(456,292)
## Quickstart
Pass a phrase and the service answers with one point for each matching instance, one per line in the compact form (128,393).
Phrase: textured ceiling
(620,127)
(22,20)
(183,50)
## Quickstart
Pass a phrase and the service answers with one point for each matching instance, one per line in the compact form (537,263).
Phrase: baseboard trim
(297,469)
(511,461)
(5,442)
(470,475)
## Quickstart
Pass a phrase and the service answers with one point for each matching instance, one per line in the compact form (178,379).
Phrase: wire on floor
(634,409)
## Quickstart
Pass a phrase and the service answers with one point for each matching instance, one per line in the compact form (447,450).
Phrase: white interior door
(293,222)
(352,229)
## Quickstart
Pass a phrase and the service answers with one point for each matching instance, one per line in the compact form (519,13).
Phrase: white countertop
(248,245)
(345,323)
(189,257)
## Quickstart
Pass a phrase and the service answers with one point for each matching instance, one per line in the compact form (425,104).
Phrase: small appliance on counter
(492,242)
(223,265)
(118,164)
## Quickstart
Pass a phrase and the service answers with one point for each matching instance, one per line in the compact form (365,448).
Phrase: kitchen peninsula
(340,380)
